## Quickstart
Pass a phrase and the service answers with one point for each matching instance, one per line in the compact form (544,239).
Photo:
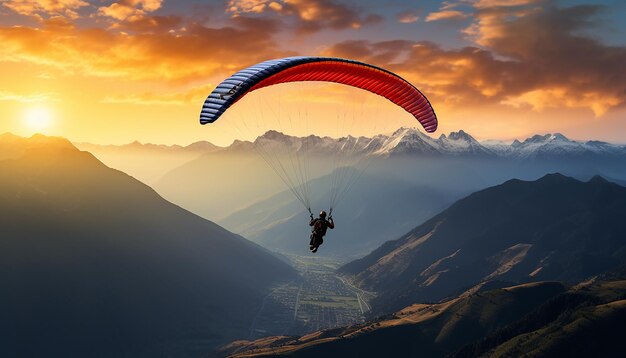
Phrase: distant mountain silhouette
(13,146)
(145,161)
(216,184)
(94,263)
(555,228)
(378,208)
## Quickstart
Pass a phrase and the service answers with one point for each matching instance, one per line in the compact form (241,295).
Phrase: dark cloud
(548,42)
(535,57)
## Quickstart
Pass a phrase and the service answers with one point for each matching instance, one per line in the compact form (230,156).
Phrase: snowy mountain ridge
(412,141)
(402,142)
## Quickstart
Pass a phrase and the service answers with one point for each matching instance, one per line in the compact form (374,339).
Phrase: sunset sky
(114,72)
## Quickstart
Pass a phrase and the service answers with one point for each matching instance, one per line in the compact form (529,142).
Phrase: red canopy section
(371,79)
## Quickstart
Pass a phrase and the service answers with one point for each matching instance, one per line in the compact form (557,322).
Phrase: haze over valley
(418,252)
(409,174)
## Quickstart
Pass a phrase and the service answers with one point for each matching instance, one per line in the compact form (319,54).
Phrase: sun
(38,119)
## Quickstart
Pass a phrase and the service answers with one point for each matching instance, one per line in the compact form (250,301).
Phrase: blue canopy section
(232,88)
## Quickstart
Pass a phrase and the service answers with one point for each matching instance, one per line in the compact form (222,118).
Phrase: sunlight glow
(38,119)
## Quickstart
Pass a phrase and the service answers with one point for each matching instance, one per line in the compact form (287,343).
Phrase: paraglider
(357,74)
(320,226)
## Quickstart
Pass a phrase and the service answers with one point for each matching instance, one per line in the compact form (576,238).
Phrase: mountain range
(418,174)
(412,141)
(525,268)
(95,263)
(132,158)
(145,161)
(555,228)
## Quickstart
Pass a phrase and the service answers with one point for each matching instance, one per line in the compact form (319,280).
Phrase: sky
(112,72)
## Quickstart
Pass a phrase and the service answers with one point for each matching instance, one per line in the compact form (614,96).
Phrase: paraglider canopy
(291,164)
(327,69)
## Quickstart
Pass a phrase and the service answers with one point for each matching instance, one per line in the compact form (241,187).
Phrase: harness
(320,227)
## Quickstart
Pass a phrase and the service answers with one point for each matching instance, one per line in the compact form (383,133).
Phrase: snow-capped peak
(461,135)
(408,141)
(546,138)
(461,143)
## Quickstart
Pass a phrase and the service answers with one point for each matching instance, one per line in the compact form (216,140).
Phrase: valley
(319,299)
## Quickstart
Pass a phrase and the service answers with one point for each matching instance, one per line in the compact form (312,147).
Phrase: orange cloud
(45,7)
(152,24)
(447,15)
(194,95)
(481,4)
(407,17)
(194,53)
(129,9)
(25,98)
(540,99)
(118,12)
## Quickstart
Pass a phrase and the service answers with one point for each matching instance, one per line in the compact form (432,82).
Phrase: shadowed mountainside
(555,228)
(541,319)
(425,330)
(586,321)
(95,263)
(377,207)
